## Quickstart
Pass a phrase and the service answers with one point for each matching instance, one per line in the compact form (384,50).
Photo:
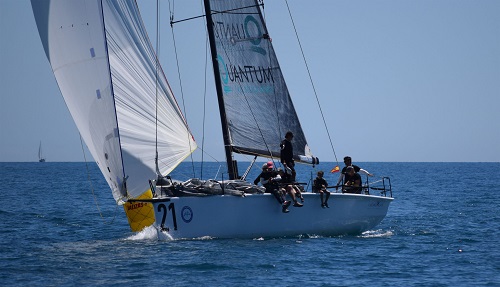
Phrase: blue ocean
(60,227)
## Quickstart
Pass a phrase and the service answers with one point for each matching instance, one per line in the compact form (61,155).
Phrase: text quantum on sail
(250,33)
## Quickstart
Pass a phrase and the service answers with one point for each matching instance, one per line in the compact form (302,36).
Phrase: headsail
(258,106)
(105,67)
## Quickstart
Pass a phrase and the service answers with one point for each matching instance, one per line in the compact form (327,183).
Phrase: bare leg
(298,193)
(291,190)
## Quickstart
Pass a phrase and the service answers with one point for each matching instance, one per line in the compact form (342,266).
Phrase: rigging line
(204,93)
(172,22)
(92,186)
(245,95)
(156,83)
(225,50)
(211,156)
(180,84)
(253,114)
(270,48)
(246,98)
(312,83)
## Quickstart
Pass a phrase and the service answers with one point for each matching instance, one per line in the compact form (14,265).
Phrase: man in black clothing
(348,162)
(269,179)
(286,155)
(352,181)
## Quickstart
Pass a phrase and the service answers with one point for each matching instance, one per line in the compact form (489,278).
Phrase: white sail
(105,67)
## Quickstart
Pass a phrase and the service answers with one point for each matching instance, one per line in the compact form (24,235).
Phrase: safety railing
(383,186)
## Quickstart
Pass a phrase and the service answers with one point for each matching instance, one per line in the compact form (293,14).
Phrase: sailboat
(111,81)
(40,154)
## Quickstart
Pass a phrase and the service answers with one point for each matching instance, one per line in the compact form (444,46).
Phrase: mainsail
(40,154)
(106,69)
(257,104)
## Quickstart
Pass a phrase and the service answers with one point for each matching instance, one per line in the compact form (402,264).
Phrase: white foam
(376,233)
(148,233)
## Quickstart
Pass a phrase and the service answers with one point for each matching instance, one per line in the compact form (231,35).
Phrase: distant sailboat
(40,154)
(125,111)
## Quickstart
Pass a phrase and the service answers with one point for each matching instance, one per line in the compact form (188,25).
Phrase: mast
(231,165)
(40,151)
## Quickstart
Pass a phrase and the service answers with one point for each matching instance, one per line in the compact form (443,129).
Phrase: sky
(397,80)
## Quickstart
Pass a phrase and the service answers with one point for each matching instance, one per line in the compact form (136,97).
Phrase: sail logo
(243,74)
(136,205)
(255,40)
(225,74)
(248,31)
(187,214)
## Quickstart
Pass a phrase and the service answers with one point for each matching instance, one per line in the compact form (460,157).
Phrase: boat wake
(153,233)
(165,236)
(148,233)
(376,234)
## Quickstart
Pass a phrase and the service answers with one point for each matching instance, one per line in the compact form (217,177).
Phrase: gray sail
(258,106)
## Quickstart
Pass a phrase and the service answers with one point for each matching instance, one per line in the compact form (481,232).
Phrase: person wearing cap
(269,179)
(352,181)
(348,162)
(286,155)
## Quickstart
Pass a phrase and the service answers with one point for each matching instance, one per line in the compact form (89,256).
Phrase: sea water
(60,227)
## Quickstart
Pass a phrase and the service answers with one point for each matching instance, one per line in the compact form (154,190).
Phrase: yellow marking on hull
(140,214)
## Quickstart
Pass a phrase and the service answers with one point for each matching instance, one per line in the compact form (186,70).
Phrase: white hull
(254,216)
